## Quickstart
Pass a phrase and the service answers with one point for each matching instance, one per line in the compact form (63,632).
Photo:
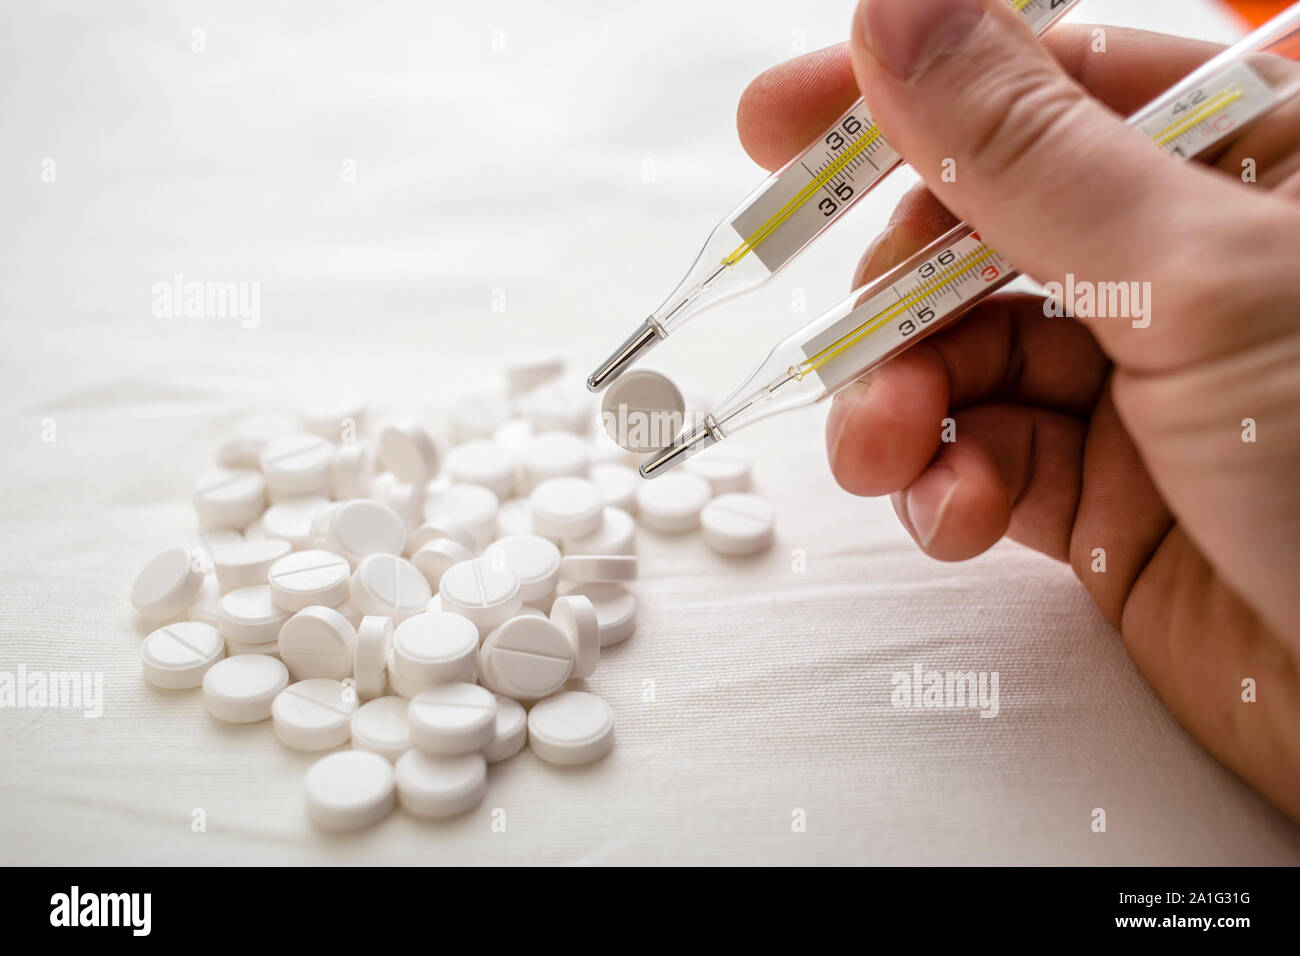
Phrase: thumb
(1008,141)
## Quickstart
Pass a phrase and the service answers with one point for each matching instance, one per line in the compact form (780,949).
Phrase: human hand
(1074,436)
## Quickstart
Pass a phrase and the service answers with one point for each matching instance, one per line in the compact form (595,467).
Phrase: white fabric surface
(519,171)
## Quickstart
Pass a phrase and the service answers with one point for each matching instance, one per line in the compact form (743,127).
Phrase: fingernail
(927,501)
(909,35)
(841,408)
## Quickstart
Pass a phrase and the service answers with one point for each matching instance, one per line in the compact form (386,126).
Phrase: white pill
(471,506)
(351,472)
(513,435)
(525,373)
(482,591)
(349,790)
(450,530)
(430,786)
(510,732)
(553,455)
(672,502)
(725,467)
(526,658)
(252,434)
(515,517)
(269,649)
(483,462)
(321,525)
(370,660)
(305,578)
(247,562)
(318,642)
(338,418)
(360,528)
(176,657)
(559,406)
(254,532)
(291,519)
(389,586)
(241,690)
(536,561)
(615,610)
(247,615)
(573,727)
(477,415)
(204,607)
(298,465)
(314,714)
(435,647)
(566,508)
(434,558)
(737,524)
(229,497)
(603,451)
(591,568)
(453,718)
(576,617)
(617,484)
(408,452)
(616,535)
(167,585)
(381,726)
(407,501)
(642,411)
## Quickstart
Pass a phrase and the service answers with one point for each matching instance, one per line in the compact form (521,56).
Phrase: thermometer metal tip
(696,440)
(647,335)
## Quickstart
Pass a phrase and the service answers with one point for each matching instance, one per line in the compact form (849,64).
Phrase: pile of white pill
(428,605)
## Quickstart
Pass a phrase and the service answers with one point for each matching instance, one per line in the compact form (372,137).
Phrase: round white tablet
(408,452)
(435,647)
(725,467)
(527,372)
(571,728)
(167,585)
(204,606)
(558,406)
(430,786)
(672,502)
(451,530)
(485,592)
(305,578)
(229,497)
(389,586)
(382,726)
(642,411)
(314,714)
(176,657)
(591,568)
(291,519)
(351,472)
(510,732)
(247,615)
(515,517)
(434,558)
(536,561)
(471,506)
(483,462)
(615,610)
(247,563)
(526,658)
(244,448)
(269,649)
(453,718)
(370,661)
(477,415)
(349,790)
(298,464)
(553,455)
(617,484)
(407,501)
(616,535)
(241,689)
(576,617)
(318,642)
(566,507)
(360,528)
(737,524)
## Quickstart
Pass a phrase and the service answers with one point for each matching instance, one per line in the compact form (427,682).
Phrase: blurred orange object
(1257,11)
